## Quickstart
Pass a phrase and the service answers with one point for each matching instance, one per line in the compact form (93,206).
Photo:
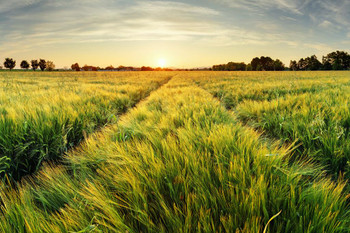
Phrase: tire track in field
(100,129)
(103,127)
(265,138)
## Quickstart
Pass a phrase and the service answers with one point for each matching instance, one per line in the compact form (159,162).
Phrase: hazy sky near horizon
(190,33)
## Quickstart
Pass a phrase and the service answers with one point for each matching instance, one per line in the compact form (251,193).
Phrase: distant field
(202,151)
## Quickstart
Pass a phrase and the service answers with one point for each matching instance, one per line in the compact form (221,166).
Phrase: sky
(182,34)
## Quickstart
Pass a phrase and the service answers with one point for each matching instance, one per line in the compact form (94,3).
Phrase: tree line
(77,67)
(34,64)
(257,64)
(338,60)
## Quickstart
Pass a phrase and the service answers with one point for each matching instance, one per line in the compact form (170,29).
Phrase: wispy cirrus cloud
(8,6)
(71,22)
(306,22)
(318,10)
(326,24)
(294,7)
(105,21)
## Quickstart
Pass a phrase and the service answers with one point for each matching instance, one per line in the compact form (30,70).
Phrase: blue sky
(184,33)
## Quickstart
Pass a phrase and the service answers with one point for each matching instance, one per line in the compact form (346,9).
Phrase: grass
(232,88)
(311,110)
(178,162)
(319,122)
(43,115)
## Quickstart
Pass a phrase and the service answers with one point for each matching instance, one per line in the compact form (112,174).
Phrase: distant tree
(249,67)
(35,64)
(278,65)
(109,67)
(75,67)
(254,63)
(241,66)
(293,66)
(25,65)
(235,66)
(339,60)
(85,68)
(146,68)
(215,67)
(312,63)
(259,67)
(231,66)
(42,64)
(121,68)
(302,64)
(50,66)
(9,63)
(265,63)
(337,65)
(326,65)
(90,68)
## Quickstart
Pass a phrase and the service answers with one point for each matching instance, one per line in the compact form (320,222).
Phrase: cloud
(97,21)
(325,24)
(318,10)
(8,6)
(335,12)
(320,47)
(294,7)
(69,22)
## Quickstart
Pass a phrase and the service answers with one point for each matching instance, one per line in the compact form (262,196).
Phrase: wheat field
(174,151)
(42,116)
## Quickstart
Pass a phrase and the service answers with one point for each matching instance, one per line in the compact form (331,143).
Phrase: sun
(161,62)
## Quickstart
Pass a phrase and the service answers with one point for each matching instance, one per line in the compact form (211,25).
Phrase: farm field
(42,115)
(175,151)
(310,109)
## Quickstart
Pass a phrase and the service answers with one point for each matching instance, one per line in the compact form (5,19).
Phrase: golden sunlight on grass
(175,152)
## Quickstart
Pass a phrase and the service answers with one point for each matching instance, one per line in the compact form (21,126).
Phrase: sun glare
(161,63)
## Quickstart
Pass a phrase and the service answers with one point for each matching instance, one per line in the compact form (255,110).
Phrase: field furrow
(313,113)
(42,117)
